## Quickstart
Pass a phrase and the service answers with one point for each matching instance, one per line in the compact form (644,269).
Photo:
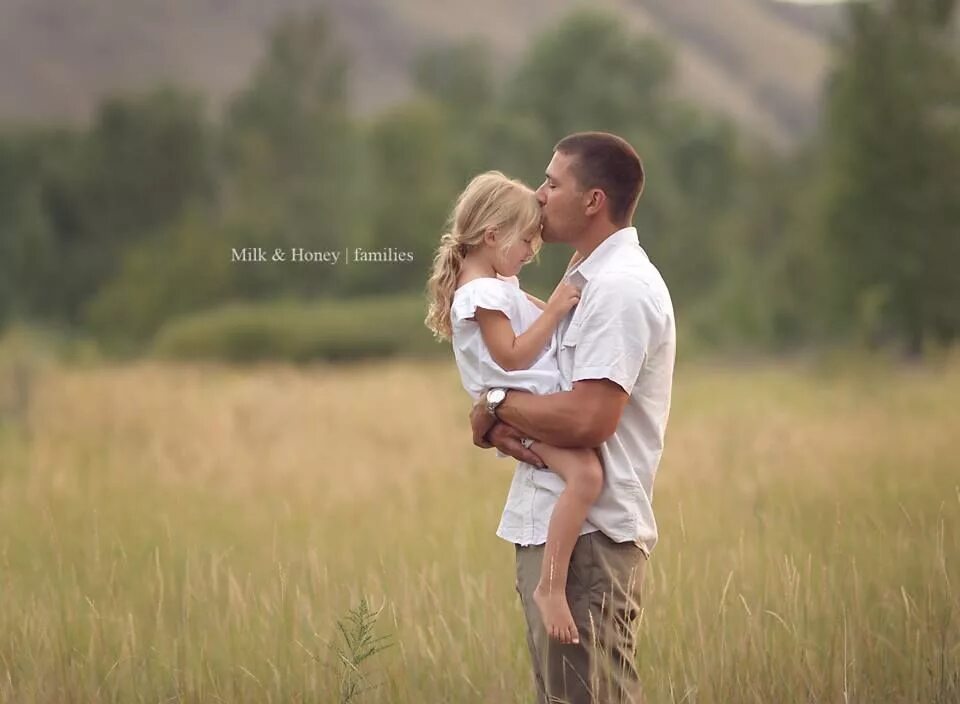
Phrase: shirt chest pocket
(567,353)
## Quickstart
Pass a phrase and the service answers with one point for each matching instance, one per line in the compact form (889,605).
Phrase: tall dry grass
(194,533)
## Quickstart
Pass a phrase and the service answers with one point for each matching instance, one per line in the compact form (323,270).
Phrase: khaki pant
(603,590)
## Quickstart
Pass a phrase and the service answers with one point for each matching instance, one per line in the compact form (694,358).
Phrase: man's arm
(611,345)
(583,417)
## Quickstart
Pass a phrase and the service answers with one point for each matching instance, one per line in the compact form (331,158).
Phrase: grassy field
(195,533)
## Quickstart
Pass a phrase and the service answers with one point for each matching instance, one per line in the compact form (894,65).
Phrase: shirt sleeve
(614,332)
(488,293)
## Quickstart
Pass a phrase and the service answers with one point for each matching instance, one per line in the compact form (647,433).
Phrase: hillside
(759,61)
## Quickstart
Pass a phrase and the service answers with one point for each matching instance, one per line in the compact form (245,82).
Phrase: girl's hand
(564,297)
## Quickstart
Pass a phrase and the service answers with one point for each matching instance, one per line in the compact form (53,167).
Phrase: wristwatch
(494,398)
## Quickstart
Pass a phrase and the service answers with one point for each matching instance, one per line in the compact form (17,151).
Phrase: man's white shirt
(623,329)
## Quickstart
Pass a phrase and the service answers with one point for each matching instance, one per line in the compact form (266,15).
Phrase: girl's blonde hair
(490,201)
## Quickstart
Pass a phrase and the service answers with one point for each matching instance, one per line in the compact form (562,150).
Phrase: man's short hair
(608,162)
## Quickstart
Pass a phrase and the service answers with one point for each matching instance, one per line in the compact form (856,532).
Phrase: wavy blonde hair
(490,201)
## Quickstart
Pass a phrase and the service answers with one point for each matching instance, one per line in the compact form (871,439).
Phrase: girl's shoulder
(484,292)
(494,281)
(487,283)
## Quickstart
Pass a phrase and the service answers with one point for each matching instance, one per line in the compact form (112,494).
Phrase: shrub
(332,330)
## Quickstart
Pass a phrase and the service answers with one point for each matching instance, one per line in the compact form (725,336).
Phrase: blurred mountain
(760,61)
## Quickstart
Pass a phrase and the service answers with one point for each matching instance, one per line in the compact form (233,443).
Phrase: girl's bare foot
(556,615)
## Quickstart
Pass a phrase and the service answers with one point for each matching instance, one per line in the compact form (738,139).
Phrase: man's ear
(595,201)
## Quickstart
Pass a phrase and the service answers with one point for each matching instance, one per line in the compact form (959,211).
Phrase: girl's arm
(535,301)
(514,352)
(511,351)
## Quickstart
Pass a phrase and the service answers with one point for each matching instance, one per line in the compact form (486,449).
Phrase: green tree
(459,79)
(292,156)
(592,73)
(893,161)
(180,269)
(459,76)
(415,188)
(768,291)
(148,158)
(620,84)
(80,199)
(27,238)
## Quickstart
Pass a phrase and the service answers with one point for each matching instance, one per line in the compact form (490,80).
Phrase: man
(616,358)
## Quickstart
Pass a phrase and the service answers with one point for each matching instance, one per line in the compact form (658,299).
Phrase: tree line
(117,228)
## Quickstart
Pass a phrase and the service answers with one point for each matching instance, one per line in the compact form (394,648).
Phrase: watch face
(496,395)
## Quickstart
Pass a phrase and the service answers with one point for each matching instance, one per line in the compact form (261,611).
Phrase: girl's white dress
(478,370)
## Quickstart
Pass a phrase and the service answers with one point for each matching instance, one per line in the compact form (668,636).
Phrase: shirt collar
(589,267)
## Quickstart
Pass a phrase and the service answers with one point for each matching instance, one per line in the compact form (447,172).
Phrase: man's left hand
(481,421)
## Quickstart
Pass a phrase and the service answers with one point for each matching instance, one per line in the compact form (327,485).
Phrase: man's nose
(541,196)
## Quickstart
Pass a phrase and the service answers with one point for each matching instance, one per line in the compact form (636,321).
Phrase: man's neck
(594,239)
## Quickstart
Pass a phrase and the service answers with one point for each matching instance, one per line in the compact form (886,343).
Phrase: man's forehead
(559,165)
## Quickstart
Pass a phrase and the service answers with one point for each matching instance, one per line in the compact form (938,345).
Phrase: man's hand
(481,422)
(489,432)
(507,439)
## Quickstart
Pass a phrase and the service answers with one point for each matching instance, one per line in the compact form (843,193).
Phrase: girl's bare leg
(583,473)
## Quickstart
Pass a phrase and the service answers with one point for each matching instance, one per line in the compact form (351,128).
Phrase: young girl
(503,337)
